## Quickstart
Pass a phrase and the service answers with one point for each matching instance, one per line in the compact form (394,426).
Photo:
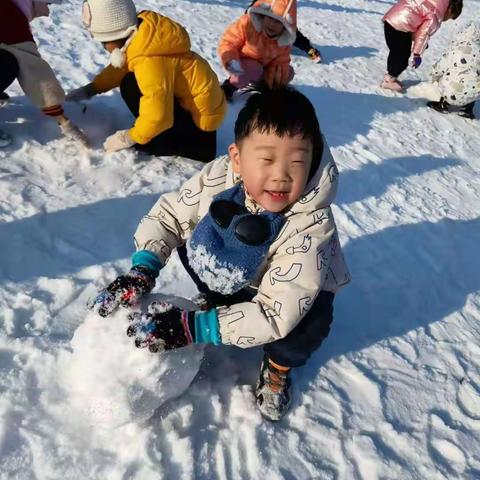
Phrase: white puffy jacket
(458,70)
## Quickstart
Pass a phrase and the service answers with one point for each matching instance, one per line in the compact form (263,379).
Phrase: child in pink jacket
(408,26)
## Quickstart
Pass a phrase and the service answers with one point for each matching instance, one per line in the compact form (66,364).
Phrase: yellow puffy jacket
(165,67)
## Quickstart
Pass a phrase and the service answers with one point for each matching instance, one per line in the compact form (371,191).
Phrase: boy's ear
(234,154)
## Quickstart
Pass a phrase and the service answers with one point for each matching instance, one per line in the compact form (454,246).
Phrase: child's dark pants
(400,46)
(294,349)
(8,69)
(184,138)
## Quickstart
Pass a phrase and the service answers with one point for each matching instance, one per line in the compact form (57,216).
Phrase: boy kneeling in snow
(458,74)
(256,233)
(258,45)
(20,60)
(173,93)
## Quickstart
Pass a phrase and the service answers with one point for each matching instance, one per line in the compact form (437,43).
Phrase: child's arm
(108,79)
(172,219)
(156,103)
(232,41)
(431,24)
(166,226)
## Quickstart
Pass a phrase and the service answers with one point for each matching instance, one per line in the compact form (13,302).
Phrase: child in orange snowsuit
(257,46)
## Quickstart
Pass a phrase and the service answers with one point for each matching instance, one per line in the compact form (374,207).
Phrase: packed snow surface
(394,393)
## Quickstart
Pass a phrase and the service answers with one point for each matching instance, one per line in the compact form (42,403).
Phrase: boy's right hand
(82,93)
(125,291)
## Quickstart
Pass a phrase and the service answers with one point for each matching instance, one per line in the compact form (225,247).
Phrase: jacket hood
(157,35)
(321,190)
(285,11)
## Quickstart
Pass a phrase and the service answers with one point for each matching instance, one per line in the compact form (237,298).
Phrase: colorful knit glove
(125,291)
(166,327)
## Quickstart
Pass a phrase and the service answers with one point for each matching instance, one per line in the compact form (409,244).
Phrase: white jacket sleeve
(295,275)
(173,217)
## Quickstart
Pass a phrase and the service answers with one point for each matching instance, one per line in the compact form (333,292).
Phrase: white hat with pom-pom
(109,20)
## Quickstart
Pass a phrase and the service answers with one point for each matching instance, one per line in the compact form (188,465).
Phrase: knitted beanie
(110,20)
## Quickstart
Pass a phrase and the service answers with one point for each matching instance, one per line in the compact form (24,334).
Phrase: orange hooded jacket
(245,38)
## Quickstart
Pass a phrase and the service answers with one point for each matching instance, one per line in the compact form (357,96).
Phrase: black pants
(184,138)
(293,350)
(400,46)
(8,69)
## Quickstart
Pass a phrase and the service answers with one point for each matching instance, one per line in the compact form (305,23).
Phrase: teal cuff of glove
(145,258)
(207,329)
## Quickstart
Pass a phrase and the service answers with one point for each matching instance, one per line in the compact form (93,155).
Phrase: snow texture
(393,393)
(221,277)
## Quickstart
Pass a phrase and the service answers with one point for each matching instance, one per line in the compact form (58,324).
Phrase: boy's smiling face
(274,169)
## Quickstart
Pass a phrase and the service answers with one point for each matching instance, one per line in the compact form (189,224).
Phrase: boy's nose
(281,174)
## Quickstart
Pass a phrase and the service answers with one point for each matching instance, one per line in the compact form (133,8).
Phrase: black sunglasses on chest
(251,229)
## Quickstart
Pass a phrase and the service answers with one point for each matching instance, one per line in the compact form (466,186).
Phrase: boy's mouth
(277,195)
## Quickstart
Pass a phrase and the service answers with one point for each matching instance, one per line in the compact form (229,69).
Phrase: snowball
(110,382)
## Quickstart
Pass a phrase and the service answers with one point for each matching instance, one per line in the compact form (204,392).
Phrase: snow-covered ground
(394,393)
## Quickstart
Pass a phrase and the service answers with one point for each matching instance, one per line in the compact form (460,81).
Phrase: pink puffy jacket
(421,17)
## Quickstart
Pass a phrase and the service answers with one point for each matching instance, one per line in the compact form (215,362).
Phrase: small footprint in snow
(446,454)
(468,399)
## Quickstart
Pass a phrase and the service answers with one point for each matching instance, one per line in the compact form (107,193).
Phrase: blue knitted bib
(219,257)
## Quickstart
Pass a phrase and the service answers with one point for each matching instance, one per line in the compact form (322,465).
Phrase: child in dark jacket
(20,60)
(256,233)
(408,26)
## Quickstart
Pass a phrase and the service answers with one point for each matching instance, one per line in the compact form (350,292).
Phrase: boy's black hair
(455,7)
(282,111)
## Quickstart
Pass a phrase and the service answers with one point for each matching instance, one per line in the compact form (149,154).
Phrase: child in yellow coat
(173,92)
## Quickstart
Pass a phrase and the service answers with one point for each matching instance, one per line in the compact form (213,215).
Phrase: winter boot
(314,55)
(272,391)
(467,111)
(5,139)
(391,83)
(4,98)
(440,106)
(228,90)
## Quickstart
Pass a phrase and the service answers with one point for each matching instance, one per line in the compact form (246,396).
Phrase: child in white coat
(458,74)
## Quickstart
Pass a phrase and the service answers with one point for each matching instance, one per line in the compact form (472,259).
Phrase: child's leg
(400,46)
(252,72)
(199,145)
(295,349)
(8,69)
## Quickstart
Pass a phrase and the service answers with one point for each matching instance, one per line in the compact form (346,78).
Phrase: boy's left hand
(164,327)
